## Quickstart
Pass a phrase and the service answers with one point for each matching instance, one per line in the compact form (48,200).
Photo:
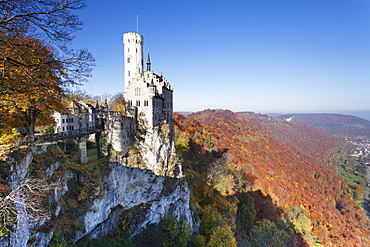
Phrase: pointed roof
(148,63)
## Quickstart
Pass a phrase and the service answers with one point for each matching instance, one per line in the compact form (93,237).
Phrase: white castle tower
(149,94)
(133,53)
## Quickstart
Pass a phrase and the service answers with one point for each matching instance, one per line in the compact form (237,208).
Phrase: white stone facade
(150,94)
(79,116)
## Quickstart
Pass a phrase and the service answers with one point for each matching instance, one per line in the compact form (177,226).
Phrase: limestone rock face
(147,182)
(154,150)
(125,188)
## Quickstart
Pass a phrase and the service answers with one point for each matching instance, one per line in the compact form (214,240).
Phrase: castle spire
(148,63)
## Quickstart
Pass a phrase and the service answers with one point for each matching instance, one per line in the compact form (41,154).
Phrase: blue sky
(243,55)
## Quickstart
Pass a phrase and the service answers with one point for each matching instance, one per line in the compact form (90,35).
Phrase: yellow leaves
(182,140)
(296,184)
(302,223)
(225,185)
(9,135)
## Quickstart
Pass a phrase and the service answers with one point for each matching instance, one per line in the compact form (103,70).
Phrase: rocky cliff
(91,200)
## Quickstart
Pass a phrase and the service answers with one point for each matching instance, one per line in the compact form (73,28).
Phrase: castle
(148,101)
(148,93)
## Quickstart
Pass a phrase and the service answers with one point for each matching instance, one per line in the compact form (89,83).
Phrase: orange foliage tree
(32,89)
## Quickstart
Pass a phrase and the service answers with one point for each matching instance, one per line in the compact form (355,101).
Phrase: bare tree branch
(52,19)
(30,196)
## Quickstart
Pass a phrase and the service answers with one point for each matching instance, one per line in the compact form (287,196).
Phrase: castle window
(128,73)
(137,91)
(128,49)
(129,103)
(146,103)
(137,102)
(142,114)
(128,60)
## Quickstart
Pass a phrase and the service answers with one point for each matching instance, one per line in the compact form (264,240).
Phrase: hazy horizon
(360,114)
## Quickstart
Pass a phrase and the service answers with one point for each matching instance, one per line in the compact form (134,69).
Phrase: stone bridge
(72,134)
(81,135)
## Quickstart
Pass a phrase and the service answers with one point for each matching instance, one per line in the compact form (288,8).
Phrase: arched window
(128,60)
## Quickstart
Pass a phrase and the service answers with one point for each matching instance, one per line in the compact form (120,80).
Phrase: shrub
(265,233)
(48,130)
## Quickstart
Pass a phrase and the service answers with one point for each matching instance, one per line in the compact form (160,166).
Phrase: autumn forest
(288,167)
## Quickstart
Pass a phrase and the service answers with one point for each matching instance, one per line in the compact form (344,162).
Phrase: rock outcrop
(147,182)
(126,188)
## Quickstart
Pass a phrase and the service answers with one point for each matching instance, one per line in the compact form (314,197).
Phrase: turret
(133,56)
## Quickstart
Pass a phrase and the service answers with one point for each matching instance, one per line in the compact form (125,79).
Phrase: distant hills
(336,124)
(340,125)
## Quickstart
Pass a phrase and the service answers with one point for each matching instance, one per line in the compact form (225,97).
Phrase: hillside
(338,124)
(282,164)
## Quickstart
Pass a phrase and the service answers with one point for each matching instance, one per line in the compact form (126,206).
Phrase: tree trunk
(30,121)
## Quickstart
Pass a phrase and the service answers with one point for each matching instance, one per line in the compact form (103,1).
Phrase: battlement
(133,34)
